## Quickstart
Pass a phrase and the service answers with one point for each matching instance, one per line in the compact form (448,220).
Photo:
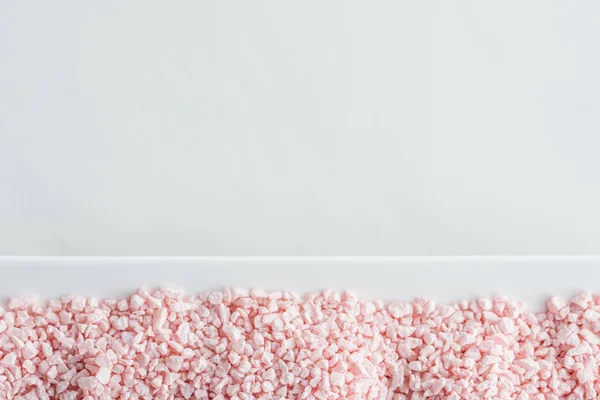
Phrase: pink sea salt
(240,345)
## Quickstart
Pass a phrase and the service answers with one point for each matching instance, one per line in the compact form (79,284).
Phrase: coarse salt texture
(239,344)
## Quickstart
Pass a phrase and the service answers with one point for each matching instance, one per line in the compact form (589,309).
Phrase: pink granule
(239,344)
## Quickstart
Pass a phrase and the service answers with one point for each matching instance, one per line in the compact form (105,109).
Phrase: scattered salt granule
(240,345)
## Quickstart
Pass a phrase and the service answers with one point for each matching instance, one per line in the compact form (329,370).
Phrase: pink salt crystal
(28,366)
(554,305)
(591,315)
(267,387)
(399,310)
(103,375)
(103,360)
(29,351)
(123,305)
(183,332)
(122,323)
(485,304)
(52,372)
(241,344)
(136,302)
(78,303)
(582,300)
(156,382)
(244,367)
(337,379)
(174,363)
(215,298)
(9,359)
(159,318)
(21,303)
(87,383)
(506,325)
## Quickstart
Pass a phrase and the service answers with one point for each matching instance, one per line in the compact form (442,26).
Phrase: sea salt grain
(242,345)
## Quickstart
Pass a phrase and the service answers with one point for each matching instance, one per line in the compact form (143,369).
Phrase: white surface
(299,128)
(446,279)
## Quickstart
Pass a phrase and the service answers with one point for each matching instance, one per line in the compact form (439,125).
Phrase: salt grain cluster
(239,344)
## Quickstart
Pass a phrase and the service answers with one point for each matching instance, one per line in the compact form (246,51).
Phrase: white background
(299,128)
(445,279)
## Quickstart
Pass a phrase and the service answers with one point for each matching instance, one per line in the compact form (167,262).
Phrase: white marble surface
(299,128)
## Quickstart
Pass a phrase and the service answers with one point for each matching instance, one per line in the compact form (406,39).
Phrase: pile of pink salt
(239,344)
